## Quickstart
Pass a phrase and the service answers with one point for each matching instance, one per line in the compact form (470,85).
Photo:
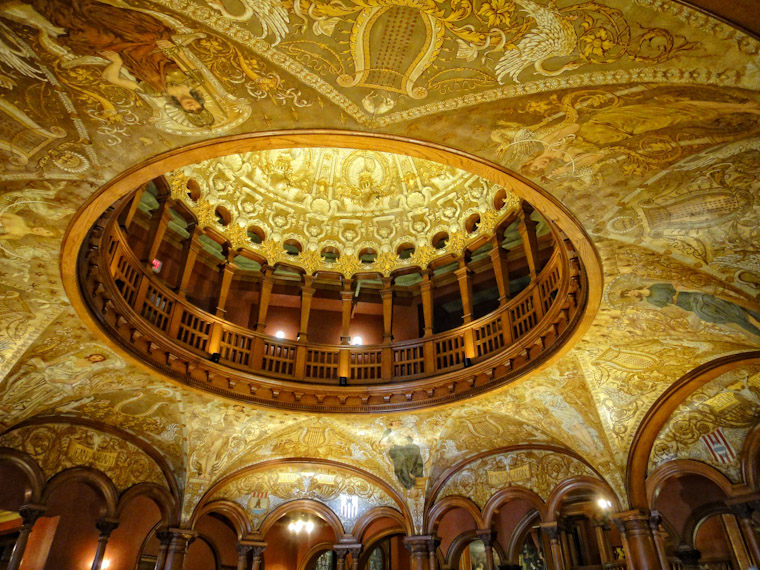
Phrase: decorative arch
(519,535)
(448,503)
(304,505)
(149,450)
(92,477)
(698,517)
(679,468)
(25,463)
(229,510)
(310,463)
(657,416)
(376,539)
(372,515)
(163,499)
(313,552)
(457,546)
(500,498)
(750,457)
(561,491)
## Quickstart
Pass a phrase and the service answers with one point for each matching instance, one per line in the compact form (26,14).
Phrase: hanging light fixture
(298,525)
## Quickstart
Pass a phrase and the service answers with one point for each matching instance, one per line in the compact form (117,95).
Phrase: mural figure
(708,308)
(141,53)
(405,455)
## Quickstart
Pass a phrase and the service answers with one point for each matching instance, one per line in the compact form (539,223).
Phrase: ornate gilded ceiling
(646,134)
(345,202)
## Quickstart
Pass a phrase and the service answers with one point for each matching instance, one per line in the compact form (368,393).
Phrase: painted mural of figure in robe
(142,51)
(405,455)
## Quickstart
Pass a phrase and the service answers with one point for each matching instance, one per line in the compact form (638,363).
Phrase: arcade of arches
(379,285)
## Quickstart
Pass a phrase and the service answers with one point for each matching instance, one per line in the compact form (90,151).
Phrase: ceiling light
(299,525)
(356,341)
(279,334)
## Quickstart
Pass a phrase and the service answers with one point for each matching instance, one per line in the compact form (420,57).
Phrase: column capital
(551,529)
(31,512)
(106,526)
(418,544)
(486,536)
(243,549)
(343,550)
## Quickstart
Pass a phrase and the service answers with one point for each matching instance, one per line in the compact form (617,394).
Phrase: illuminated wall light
(604,503)
(105,564)
(279,334)
(356,341)
(299,525)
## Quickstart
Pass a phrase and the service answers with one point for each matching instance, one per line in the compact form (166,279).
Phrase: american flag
(718,446)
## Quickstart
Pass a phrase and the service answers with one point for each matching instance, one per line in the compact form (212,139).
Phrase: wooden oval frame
(140,174)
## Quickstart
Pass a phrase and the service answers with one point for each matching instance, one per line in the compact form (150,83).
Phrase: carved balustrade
(198,348)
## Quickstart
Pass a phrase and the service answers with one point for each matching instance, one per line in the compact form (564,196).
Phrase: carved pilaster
(29,515)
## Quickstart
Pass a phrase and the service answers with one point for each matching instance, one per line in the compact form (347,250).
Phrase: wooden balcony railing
(153,320)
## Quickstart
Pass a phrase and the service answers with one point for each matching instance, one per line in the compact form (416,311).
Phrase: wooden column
(267,282)
(164,538)
(386,294)
(159,221)
(128,214)
(257,556)
(488,537)
(29,515)
(106,527)
(243,551)
(638,541)
(527,229)
(227,269)
(737,542)
(341,554)
(552,532)
(465,290)
(426,292)
(190,250)
(177,550)
(307,294)
(347,299)
(418,549)
(660,535)
(500,269)
(432,546)
(568,557)
(744,514)
(602,541)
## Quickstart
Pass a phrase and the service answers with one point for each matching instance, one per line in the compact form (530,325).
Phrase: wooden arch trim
(680,467)
(229,510)
(149,450)
(214,549)
(519,534)
(362,524)
(449,503)
(374,541)
(304,505)
(318,549)
(441,481)
(26,463)
(750,456)
(658,415)
(700,516)
(311,462)
(500,498)
(583,482)
(97,480)
(457,546)
(161,496)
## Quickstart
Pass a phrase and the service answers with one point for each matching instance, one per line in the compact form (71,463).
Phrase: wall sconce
(356,340)
(279,334)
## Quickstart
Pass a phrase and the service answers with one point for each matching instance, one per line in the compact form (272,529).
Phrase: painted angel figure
(142,51)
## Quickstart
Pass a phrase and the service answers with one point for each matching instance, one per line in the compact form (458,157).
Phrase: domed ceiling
(640,118)
(345,202)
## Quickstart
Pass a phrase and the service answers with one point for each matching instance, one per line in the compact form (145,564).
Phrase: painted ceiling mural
(649,135)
